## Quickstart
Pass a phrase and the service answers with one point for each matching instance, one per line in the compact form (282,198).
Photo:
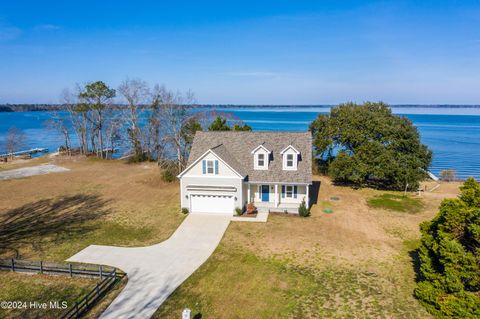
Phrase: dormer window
(290,158)
(261,158)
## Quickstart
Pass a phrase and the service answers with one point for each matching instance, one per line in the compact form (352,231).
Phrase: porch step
(278,210)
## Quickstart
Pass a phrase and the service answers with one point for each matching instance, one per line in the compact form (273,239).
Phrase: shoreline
(17,108)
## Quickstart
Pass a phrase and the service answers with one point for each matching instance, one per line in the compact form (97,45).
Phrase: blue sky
(246,52)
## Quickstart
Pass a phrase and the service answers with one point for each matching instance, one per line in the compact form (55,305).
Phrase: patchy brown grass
(356,262)
(97,202)
(51,217)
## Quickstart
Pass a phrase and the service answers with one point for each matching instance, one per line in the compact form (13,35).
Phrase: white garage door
(214,204)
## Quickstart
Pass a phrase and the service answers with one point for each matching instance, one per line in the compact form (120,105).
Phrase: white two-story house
(227,170)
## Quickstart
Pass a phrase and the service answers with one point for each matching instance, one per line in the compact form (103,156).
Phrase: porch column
(307,200)
(276,195)
(249,199)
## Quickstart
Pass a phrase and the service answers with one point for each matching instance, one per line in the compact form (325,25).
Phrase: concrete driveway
(154,272)
(32,171)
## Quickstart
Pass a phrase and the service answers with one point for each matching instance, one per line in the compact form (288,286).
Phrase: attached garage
(212,204)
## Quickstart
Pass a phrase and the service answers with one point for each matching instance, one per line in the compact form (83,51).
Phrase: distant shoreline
(58,107)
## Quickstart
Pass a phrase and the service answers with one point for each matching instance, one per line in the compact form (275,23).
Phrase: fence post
(101,273)
(13,264)
(71,270)
(97,290)
(41,267)
(76,309)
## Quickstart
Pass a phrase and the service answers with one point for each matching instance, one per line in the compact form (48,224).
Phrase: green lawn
(235,283)
(40,288)
(397,202)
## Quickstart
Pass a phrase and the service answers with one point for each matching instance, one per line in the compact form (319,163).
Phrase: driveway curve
(154,272)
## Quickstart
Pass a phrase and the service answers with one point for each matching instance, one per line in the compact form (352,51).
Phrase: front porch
(291,208)
(277,197)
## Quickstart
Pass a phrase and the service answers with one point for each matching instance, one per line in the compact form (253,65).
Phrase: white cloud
(47,27)
(256,74)
(9,33)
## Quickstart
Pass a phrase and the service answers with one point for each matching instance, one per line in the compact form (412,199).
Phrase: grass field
(52,217)
(357,262)
(397,202)
(41,289)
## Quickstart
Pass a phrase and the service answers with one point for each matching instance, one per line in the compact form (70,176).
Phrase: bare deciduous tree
(137,94)
(448,175)
(78,117)
(14,141)
(113,135)
(60,124)
(174,115)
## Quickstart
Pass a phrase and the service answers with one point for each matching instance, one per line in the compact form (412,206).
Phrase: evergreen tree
(449,286)
(219,124)
(244,127)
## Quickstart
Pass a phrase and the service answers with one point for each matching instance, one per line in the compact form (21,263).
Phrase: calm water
(453,134)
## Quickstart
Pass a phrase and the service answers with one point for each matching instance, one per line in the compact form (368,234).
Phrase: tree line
(153,123)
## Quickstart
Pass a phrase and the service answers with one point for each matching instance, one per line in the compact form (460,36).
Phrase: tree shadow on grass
(415,260)
(48,220)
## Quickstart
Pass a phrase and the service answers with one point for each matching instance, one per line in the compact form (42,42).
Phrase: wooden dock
(25,152)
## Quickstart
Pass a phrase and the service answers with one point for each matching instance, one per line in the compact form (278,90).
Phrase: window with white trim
(210,167)
(261,160)
(289,162)
(289,191)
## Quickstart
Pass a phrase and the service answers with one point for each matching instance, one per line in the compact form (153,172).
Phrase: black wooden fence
(108,277)
(72,270)
(91,298)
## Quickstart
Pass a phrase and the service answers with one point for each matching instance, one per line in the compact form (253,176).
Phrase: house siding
(223,170)
(212,181)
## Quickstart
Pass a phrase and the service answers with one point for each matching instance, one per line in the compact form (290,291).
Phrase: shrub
(238,211)
(185,210)
(167,176)
(449,285)
(448,175)
(138,158)
(169,171)
(303,209)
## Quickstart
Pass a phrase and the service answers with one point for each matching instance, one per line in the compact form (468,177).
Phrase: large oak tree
(368,145)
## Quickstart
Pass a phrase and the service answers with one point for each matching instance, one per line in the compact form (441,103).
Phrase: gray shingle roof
(235,148)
